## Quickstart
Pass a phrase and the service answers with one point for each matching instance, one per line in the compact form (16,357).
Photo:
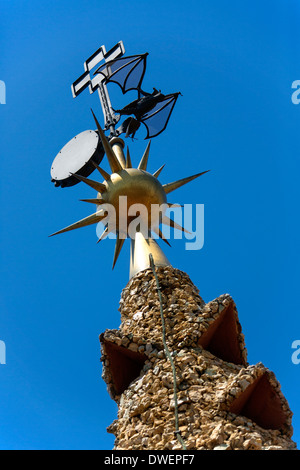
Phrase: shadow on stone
(222,337)
(125,365)
(260,402)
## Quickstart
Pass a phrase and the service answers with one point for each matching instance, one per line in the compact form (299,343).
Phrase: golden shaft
(118,145)
(139,254)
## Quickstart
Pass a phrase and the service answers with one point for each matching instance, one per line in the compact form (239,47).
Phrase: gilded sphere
(139,186)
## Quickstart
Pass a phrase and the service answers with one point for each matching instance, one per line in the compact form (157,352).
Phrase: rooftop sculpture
(177,367)
(145,197)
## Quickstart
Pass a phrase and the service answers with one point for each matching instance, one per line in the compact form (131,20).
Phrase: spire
(91,219)
(100,187)
(113,161)
(172,186)
(102,172)
(144,160)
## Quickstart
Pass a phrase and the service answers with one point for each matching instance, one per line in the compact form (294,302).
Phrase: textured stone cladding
(223,402)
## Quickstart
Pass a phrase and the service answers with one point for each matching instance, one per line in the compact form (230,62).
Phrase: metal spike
(93,201)
(170,204)
(103,173)
(111,156)
(167,221)
(144,160)
(128,159)
(104,234)
(100,187)
(161,235)
(118,248)
(172,186)
(91,219)
(157,173)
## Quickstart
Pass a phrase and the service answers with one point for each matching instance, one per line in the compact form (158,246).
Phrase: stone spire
(223,402)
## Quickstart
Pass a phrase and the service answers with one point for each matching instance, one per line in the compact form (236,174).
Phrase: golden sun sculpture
(140,187)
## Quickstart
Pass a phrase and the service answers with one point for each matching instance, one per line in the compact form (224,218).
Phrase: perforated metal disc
(76,157)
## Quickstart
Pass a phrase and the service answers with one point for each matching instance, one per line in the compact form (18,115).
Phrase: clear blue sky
(234,63)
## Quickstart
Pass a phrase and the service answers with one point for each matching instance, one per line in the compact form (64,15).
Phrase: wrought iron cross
(96,83)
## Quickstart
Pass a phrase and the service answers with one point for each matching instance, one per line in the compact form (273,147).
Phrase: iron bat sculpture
(152,109)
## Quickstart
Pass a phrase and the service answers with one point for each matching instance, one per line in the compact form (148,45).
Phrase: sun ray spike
(102,172)
(169,187)
(167,221)
(91,219)
(93,201)
(100,187)
(128,159)
(118,248)
(104,234)
(161,235)
(144,160)
(170,205)
(113,161)
(158,172)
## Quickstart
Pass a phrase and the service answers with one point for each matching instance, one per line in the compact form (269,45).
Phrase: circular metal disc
(76,157)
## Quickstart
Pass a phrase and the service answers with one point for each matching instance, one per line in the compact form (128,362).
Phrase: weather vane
(127,196)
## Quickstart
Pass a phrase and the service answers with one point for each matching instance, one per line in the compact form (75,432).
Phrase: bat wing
(127,72)
(157,119)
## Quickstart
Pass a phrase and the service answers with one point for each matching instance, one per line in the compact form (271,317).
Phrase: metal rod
(110,119)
